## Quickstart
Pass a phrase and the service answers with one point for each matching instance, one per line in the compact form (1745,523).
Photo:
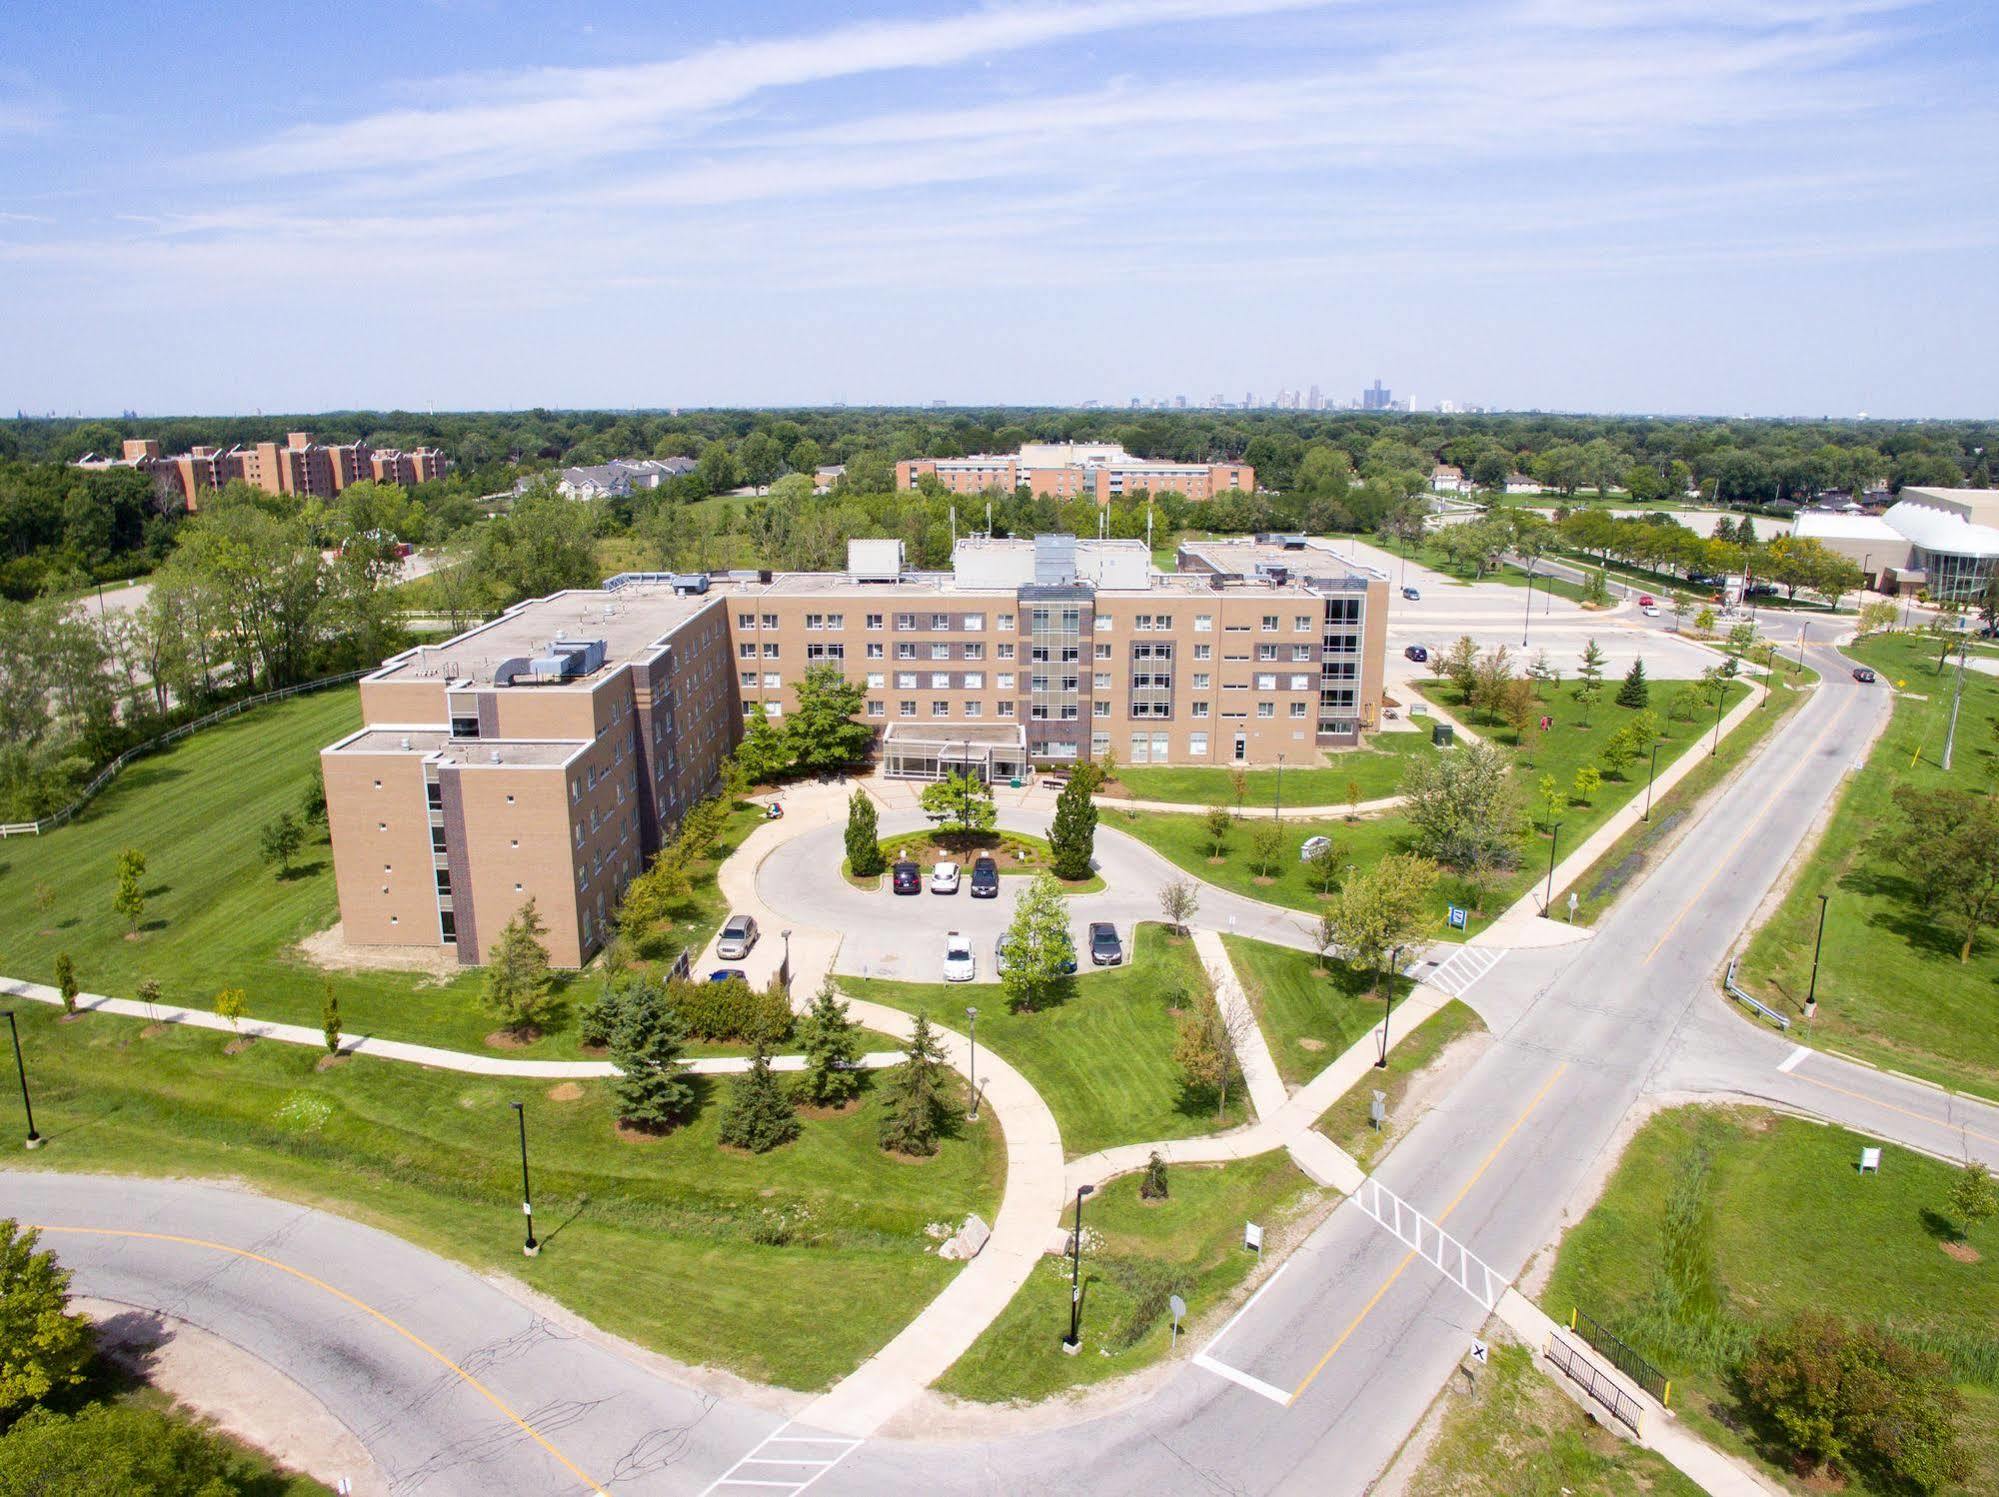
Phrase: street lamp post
(530,1247)
(1072,1342)
(1280,787)
(1388,1003)
(1812,995)
(786,933)
(1547,894)
(34,1140)
(1648,783)
(1530,604)
(1720,700)
(972,1013)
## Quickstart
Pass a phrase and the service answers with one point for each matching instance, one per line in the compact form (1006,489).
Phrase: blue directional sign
(1458,917)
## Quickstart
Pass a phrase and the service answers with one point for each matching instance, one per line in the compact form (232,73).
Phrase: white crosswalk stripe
(785,1462)
(1463,968)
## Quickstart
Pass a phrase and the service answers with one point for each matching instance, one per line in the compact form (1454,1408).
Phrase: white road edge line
(1243,1380)
(1268,1284)
(1790,1062)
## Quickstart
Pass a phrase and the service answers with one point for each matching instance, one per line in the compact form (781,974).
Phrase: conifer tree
(832,1050)
(759,1116)
(913,1104)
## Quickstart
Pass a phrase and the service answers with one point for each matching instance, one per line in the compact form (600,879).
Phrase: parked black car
(906,878)
(1863,674)
(1105,948)
(985,879)
(1417,652)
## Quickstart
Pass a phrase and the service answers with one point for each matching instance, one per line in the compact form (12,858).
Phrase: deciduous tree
(1266,846)
(1216,824)
(1039,948)
(765,752)
(1381,908)
(1178,899)
(130,900)
(1973,1196)
(66,981)
(1463,809)
(826,729)
(279,840)
(964,803)
(44,1349)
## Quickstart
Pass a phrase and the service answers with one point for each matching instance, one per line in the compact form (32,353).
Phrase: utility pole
(1956,701)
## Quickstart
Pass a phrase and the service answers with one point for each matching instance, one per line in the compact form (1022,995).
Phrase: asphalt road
(1331,1365)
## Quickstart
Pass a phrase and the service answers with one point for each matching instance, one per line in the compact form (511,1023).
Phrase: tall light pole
(1547,894)
(1720,700)
(530,1247)
(1812,996)
(1648,783)
(1280,787)
(972,1013)
(1530,604)
(34,1140)
(1072,1342)
(1387,1004)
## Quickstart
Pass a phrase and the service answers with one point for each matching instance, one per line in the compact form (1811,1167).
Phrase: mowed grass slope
(669,1241)
(1575,737)
(1373,772)
(1717,1222)
(1310,1011)
(1890,987)
(217,916)
(1102,1058)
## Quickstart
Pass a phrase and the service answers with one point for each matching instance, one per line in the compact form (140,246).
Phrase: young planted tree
(1516,706)
(1379,909)
(1541,671)
(1206,1049)
(279,840)
(1704,621)
(518,980)
(66,981)
(1551,801)
(1216,824)
(148,993)
(913,1101)
(312,802)
(1353,800)
(963,803)
(1619,749)
(649,899)
(1459,666)
(1072,836)
(1490,677)
(230,1004)
(1596,589)
(1973,1197)
(1589,677)
(1634,693)
(648,1041)
(1040,952)
(329,1019)
(1326,862)
(1464,809)
(130,900)
(47,1350)
(1178,899)
(759,1115)
(45,899)
(1153,1186)
(1238,787)
(1266,846)
(1589,779)
(864,852)
(832,1046)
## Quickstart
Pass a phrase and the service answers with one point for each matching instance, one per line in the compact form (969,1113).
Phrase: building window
(746,651)
(940,709)
(905,680)
(874,621)
(874,709)
(905,621)
(1103,623)
(1301,683)
(940,680)
(1270,623)
(770,621)
(836,621)
(1297,709)
(1197,745)
(940,651)
(1101,681)
(1302,623)
(876,680)
(1300,654)
(1266,652)
(770,652)
(1266,709)
(975,709)
(1204,652)
(1103,652)
(1006,651)
(904,650)
(1005,708)
(940,620)
(1004,680)
(1266,683)
(905,709)
(975,651)
(974,681)
(974,622)
(815,621)
(1200,709)
(749,680)
(875,649)
(1204,623)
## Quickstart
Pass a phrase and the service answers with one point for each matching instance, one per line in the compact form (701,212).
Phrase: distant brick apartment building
(298,465)
(551,752)
(1070,470)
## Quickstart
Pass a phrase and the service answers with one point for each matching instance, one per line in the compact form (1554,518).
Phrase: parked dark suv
(985,879)
(906,878)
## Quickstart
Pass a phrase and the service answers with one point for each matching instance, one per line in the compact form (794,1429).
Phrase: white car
(1651,611)
(960,965)
(944,879)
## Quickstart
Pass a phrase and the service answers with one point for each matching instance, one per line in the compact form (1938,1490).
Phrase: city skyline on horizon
(1656,207)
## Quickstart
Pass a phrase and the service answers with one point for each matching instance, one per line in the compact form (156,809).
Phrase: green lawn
(216,916)
(1890,987)
(1102,1059)
(1137,1254)
(1627,859)
(1569,743)
(1718,1221)
(1518,1435)
(1310,1014)
(1375,771)
(656,1240)
(1348,1121)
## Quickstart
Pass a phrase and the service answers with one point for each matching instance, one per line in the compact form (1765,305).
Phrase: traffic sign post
(1252,1238)
(1178,1307)
(1458,916)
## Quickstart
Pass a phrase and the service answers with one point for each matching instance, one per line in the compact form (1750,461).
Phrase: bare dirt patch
(135,935)
(238,1045)
(1306,1042)
(329,1062)
(508,1039)
(1964,1252)
(154,1030)
(329,950)
(628,1134)
(821,1114)
(567,1091)
(71,1018)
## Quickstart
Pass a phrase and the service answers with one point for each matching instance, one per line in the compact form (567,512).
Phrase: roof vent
(406,742)
(496,756)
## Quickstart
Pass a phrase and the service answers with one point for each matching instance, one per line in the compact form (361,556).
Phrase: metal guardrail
(1622,1356)
(110,771)
(1749,1000)
(1597,1383)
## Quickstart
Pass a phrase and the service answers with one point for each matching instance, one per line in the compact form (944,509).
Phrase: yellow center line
(1748,830)
(340,1294)
(1921,1117)
(1388,1283)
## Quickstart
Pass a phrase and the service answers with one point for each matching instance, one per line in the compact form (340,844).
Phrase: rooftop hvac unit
(874,560)
(1054,559)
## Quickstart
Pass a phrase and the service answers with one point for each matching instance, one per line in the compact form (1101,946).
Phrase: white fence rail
(1444,1252)
(110,771)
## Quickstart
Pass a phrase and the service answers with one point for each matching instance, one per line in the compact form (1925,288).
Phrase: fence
(110,771)
(1597,1383)
(1444,1252)
(1780,1020)
(1622,1357)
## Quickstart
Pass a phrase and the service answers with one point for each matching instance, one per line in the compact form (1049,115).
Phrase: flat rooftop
(1315,558)
(469,753)
(631,622)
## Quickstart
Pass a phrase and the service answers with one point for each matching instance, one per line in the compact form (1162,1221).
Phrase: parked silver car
(738,936)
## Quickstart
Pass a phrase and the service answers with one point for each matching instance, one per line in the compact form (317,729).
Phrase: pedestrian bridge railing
(1596,1382)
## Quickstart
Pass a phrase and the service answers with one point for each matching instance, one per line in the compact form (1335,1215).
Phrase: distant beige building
(1070,470)
(551,752)
(298,465)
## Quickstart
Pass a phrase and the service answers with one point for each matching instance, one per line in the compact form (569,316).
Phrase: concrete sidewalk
(463,1061)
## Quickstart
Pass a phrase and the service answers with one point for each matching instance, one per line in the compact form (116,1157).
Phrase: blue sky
(1766,207)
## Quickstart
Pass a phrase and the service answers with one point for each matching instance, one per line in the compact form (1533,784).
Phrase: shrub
(731,1010)
(1153,1186)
